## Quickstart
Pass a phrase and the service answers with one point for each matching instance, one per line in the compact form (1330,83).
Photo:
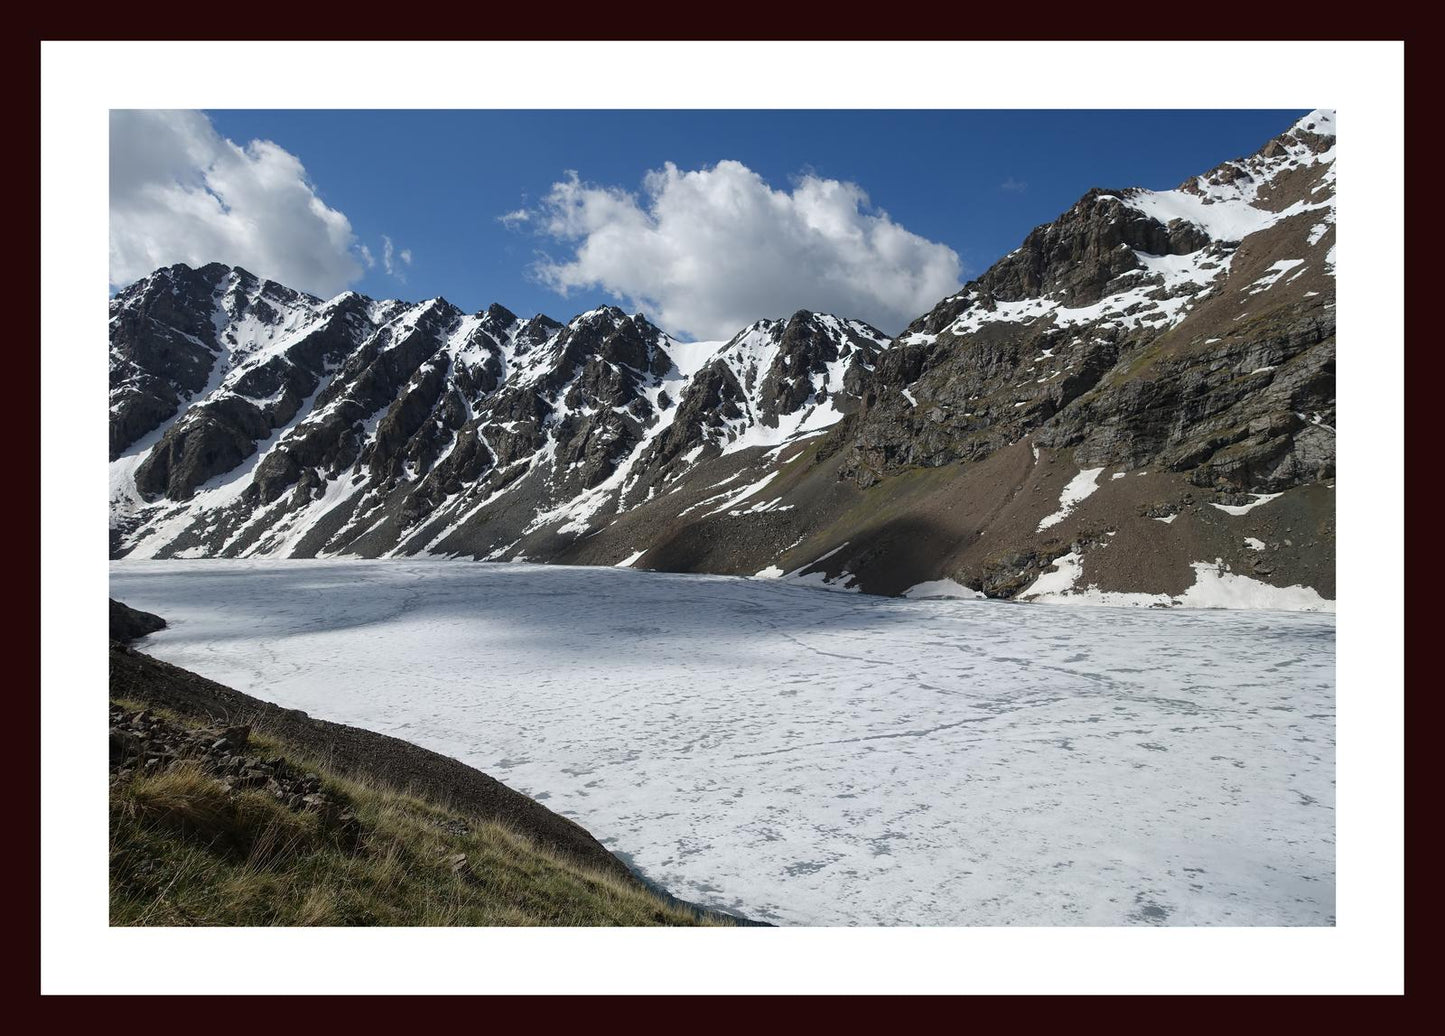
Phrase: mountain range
(1136,405)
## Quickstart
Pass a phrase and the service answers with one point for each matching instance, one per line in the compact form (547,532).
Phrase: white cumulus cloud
(708,251)
(180,192)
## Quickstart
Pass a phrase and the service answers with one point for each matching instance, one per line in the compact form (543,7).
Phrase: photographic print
(723,517)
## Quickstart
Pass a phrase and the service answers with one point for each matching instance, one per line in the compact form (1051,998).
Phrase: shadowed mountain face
(1145,385)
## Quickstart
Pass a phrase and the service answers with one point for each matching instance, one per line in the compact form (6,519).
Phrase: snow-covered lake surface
(806,757)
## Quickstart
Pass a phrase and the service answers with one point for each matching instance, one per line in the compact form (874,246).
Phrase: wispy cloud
(392,261)
(1013,186)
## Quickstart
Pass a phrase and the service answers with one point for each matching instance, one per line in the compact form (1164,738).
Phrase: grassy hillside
(193,844)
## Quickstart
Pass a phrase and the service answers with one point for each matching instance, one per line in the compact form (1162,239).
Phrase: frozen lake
(809,757)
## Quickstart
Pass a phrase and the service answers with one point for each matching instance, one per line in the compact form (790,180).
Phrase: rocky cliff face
(1000,444)
(1191,330)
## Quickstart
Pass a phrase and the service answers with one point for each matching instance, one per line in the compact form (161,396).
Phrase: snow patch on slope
(1215,586)
(1079,489)
(942,588)
(1260,499)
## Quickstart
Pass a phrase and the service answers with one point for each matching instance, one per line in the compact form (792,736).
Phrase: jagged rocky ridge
(997,444)
(243,413)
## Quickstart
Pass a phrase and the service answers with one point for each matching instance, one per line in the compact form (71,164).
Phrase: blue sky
(436,184)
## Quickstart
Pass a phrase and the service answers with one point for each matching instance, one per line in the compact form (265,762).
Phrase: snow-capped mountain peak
(1320,122)
(289,411)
